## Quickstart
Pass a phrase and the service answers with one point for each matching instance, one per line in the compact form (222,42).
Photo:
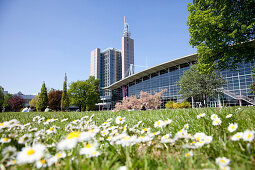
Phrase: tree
(16,102)
(93,96)
(200,86)
(84,94)
(42,101)
(65,98)
(223,32)
(33,102)
(54,98)
(1,98)
(6,105)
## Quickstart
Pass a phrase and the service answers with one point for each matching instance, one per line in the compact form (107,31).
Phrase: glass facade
(236,89)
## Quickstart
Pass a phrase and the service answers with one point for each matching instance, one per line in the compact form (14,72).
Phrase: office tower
(95,63)
(127,52)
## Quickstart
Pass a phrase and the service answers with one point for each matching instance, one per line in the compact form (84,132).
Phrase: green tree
(84,94)
(1,98)
(200,86)
(33,102)
(42,101)
(6,105)
(223,32)
(65,98)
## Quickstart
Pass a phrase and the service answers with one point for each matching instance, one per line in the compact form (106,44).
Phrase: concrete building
(95,63)
(127,52)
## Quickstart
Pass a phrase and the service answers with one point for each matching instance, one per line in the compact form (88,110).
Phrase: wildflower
(104,132)
(159,124)
(120,120)
(145,130)
(88,149)
(94,154)
(208,139)
(70,141)
(232,127)
(237,136)
(248,135)
(216,122)
(199,144)
(9,151)
(25,138)
(201,115)
(63,120)
(200,136)
(214,116)
(189,154)
(229,116)
(5,140)
(41,163)
(186,126)
(122,168)
(30,154)
(222,161)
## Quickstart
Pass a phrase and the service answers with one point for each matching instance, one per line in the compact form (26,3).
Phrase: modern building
(164,76)
(112,65)
(127,52)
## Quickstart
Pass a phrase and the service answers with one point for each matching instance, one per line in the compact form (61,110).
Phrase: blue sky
(41,40)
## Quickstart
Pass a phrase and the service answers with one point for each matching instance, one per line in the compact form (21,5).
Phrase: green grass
(152,155)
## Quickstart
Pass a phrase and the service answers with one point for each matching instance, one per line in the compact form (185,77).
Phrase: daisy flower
(30,154)
(159,124)
(214,116)
(232,127)
(120,120)
(248,135)
(189,154)
(237,136)
(216,122)
(229,116)
(88,149)
(5,140)
(222,161)
(201,115)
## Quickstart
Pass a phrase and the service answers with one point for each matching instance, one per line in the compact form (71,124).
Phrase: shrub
(169,105)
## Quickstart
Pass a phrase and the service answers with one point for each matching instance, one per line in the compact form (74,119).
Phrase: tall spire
(125,31)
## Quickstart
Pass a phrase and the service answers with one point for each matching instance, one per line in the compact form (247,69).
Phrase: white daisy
(237,136)
(222,161)
(232,127)
(214,116)
(216,122)
(120,120)
(229,116)
(201,115)
(248,135)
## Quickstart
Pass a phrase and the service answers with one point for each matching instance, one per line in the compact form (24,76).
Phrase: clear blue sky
(40,40)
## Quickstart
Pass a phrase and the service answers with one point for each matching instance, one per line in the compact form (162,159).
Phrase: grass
(147,155)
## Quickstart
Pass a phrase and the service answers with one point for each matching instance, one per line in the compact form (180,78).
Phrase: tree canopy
(42,101)
(65,98)
(54,99)
(223,32)
(84,94)
(198,85)
(1,98)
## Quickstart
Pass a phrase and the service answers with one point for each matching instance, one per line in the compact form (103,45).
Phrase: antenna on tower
(125,32)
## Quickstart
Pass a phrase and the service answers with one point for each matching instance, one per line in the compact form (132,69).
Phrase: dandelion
(201,115)
(232,127)
(222,161)
(229,116)
(30,154)
(120,120)
(248,135)
(216,122)
(237,136)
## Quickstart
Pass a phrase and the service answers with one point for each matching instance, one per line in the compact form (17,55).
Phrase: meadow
(203,138)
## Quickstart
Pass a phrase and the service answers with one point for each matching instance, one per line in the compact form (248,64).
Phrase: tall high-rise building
(127,52)
(95,63)
(106,66)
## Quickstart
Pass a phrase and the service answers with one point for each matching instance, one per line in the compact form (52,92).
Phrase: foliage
(54,99)
(146,99)
(6,105)
(185,104)
(143,155)
(84,94)
(65,98)
(1,98)
(200,86)
(169,105)
(16,102)
(33,102)
(223,32)
(42,101)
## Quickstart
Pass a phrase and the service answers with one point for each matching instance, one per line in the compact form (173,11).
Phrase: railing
(238,97)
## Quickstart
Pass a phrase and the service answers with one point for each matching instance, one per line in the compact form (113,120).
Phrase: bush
(169,105)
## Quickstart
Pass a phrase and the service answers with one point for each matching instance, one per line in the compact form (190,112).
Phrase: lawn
(152,139)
